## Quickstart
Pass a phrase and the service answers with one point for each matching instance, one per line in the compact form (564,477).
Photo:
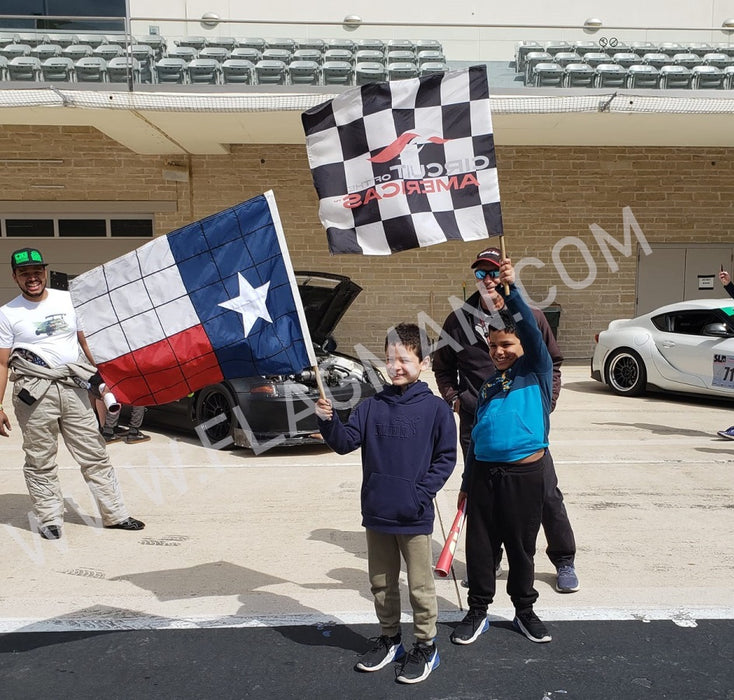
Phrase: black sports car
(264,412)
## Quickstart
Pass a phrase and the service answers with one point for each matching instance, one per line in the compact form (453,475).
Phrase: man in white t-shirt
(42,346)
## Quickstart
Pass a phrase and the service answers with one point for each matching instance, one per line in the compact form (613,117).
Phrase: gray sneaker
(567,581)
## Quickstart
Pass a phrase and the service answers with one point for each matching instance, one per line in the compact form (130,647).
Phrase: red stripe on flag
(163,371)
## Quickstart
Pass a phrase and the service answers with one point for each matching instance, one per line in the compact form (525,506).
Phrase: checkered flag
(406,164)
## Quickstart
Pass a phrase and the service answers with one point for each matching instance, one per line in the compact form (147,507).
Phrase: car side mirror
(718,330)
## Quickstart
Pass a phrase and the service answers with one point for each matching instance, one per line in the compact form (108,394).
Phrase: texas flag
(214,300)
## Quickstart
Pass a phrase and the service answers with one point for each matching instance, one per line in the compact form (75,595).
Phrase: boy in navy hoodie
(407,437)
(504,471)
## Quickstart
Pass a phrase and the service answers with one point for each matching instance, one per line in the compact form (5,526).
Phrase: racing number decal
(724,371)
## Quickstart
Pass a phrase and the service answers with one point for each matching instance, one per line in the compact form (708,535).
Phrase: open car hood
(326,298)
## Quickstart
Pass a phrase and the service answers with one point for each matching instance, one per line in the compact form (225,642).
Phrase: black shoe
(134,435)
(475,622)
(419,663)
(385,650)
(127,524)
(111,436)
(50,532)
(530,625)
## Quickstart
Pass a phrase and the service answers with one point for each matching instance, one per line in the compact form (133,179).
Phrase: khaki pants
(66,410)
(383,557)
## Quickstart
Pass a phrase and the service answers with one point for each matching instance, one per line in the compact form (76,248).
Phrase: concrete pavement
(234,539)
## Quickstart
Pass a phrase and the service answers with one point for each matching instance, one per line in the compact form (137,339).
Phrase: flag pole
(504,255)
(319,382)
(270,198)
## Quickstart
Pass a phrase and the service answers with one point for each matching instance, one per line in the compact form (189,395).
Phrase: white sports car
(685,347)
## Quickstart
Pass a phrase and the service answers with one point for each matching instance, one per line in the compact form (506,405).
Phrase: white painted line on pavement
(683,617)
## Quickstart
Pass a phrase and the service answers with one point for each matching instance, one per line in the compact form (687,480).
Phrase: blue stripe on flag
(210,253)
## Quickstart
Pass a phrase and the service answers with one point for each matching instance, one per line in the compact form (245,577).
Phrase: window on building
(78,227)
(29,228)
(64,8)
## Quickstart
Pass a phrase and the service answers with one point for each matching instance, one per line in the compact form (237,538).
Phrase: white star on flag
(250,303)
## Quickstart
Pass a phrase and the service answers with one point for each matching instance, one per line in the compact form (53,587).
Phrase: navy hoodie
(408,443)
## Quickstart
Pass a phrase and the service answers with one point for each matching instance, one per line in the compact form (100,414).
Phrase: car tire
(213,401)
(625,373)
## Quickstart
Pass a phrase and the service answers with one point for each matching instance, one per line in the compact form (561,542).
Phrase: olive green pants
(65,410)
(383,557)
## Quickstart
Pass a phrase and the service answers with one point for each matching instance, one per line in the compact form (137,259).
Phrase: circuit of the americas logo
(410,177)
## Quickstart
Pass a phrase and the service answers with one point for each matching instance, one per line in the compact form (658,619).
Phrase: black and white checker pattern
(432,176)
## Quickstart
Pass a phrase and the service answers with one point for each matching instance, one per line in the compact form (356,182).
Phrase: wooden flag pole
(319,382)
(504,255)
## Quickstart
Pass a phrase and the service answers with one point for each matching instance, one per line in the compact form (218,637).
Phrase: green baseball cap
(25,257)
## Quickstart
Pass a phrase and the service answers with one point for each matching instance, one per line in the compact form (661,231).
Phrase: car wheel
(211,402)
(626,373)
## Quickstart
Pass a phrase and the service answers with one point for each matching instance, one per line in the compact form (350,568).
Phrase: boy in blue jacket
(407,437)
(504,471)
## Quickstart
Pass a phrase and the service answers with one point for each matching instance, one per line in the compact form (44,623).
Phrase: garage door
(679,272)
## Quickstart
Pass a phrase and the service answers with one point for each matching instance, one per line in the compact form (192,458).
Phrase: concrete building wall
(552,198)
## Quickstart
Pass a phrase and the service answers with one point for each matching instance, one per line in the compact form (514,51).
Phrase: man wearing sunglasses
(51,367)
(460,374)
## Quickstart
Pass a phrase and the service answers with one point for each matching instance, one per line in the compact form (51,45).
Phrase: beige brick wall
(678,195)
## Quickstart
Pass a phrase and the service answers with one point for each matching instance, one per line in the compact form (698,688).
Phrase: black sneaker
(127,524)
(111,436)
(134,435)
(475,622)
(419,663)
(385,650)
(50,532)
(531,626)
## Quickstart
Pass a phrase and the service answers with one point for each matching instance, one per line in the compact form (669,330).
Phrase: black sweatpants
(561,548)
(504,507)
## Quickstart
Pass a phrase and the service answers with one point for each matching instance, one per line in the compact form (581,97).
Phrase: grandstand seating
(369,72)
(11,51)
(170,70)
(218,53)
(91,69)
(610,75)
(636,65)
(44,51)
(77,51)
(431,68)
(271,72)
(304,73)
(675,77)
(58,68)
(578,75)
(342,61)
(121,68)
(24,68)
(400,70)
(548,75)
(192,42)
(643,76)
(246,53)
(706,77)
(238,70)
(337,72)
(204,70)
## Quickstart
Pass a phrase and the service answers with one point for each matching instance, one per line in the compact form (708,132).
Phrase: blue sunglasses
(481,274)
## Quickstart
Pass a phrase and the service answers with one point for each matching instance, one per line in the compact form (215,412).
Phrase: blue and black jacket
(513,409)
